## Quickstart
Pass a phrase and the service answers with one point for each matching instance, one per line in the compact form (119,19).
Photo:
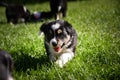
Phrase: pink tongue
(57,49)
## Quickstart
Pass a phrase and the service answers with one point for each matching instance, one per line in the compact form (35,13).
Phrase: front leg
(64,58)
(49,52)
(52,57)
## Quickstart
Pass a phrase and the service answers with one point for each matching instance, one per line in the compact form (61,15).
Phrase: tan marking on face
(60,42)
(59,31)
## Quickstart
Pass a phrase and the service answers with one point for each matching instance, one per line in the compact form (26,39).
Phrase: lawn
(97,23)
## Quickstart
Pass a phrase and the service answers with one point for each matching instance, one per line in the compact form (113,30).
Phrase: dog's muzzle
(56,47)
(55,44)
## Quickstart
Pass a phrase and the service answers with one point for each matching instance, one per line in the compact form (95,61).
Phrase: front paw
(60,63)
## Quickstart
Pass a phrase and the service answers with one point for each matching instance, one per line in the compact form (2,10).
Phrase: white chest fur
(61,58)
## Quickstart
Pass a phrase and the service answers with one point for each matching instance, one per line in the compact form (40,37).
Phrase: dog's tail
(3,4)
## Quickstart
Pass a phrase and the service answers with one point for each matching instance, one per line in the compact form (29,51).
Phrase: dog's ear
(68,27)
(42,28)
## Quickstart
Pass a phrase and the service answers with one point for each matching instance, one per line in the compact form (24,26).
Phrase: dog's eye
(59,31)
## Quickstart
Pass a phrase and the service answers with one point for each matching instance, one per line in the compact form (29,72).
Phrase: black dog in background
(58,8)
(6,66)
(16,13)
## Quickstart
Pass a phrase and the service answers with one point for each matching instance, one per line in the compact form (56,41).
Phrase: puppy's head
(6,66)
(57,34)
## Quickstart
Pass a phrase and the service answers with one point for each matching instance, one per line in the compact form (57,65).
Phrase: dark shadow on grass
(2,22)
(23,62)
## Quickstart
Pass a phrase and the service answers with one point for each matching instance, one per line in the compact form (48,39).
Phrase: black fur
(6,65)
(54,5)
(60,34)
(15,12)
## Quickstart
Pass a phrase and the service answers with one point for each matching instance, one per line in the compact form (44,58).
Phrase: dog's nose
(54,44)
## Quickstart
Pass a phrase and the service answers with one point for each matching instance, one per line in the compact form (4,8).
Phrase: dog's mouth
(61,44)
(57,49)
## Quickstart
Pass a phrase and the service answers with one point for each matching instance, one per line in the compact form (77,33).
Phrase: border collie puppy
(6,65)
(60,41)
(16,13)
(58,8)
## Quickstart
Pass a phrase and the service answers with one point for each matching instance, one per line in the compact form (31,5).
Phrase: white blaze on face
(59,8)
(55,26)
(25,9)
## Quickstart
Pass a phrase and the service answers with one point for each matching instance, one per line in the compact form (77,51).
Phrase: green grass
(98,51)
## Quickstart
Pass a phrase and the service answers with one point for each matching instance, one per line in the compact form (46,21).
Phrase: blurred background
(32,1)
